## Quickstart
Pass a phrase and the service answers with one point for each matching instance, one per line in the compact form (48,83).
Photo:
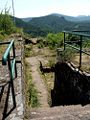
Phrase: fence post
(64,40)
(14,58)
(12,69)
(11,81)
(80,59)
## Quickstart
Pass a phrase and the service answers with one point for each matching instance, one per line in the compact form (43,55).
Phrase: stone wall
(71,86)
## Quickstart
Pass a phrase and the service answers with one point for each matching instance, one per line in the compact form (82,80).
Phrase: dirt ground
(44,112)
(44,56)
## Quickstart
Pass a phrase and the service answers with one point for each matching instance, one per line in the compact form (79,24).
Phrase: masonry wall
(71,86)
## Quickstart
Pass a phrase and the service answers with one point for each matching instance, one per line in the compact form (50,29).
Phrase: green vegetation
(86,43)
(7,25)
(31,92)
(54,40)
(28,50)
(41,26)
(66,55)
(41,43)
(51,40)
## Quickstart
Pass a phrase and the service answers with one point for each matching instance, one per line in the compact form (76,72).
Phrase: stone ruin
(71,86)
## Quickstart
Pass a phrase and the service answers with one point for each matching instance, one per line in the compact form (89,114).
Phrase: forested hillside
(41,26)
(54,23)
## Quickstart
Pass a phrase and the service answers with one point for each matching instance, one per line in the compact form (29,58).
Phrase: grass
(2,50)
(66,55)
(31,92)
(28,50)
(49,81)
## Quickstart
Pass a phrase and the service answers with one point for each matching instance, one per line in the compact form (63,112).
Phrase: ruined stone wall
(71,86)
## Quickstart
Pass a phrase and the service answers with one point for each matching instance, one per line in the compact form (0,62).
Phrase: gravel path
(37,80)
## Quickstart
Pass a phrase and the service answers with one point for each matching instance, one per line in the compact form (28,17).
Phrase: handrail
(79,42)
(13,68)
(78,49)
(7,52)
(2,43)
(77,33)
(7,58)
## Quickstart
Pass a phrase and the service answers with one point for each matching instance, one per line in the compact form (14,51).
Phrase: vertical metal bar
(9,67)
(13,93)
(1,94)
(64,40)
(11,81)
(6,103)
(14,58)
(80,59)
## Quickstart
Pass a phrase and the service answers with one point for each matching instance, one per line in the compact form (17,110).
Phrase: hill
(51,23)
(40,26)
(69,18)
(80,18)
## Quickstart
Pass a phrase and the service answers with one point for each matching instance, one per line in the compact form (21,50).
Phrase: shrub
(54,39)
(40,44)
(66,55)
(31,92)
(7,25)
(28,49)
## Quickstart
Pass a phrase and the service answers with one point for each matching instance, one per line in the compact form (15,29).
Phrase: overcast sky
(35,8)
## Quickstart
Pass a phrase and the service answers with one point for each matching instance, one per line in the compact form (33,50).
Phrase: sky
(36,8)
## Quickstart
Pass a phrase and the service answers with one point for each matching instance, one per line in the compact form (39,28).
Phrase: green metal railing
(9,60)
(79,42)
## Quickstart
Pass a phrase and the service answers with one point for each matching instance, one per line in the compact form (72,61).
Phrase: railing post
(12,70)
(5,114)
(64,40)
(80,59)
(14,58)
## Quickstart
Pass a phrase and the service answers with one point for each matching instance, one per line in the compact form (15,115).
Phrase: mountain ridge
(53,23)
(67,17)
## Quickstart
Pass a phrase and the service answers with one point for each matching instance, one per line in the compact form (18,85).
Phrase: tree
(55,39)
(6,23)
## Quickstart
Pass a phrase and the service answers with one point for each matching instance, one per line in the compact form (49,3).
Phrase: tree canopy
(7,25)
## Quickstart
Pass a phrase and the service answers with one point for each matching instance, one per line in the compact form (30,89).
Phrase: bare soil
(44,56)
(37,80)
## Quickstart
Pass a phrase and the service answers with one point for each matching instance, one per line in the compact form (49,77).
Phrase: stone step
(72,112)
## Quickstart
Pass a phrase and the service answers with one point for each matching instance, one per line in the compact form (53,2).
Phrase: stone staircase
(72,112)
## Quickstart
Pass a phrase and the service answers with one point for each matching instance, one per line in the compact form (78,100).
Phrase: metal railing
(8,59)
(79,42)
